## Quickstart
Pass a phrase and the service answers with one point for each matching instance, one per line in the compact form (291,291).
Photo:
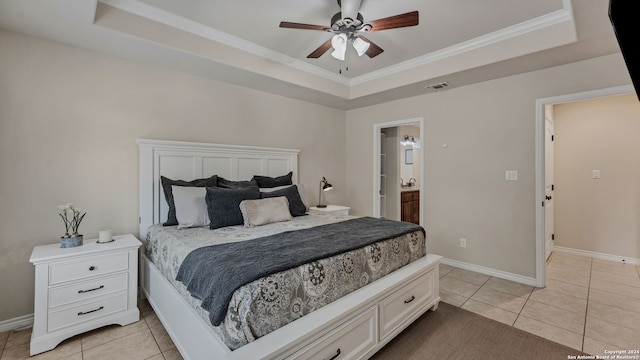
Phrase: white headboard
(188,161)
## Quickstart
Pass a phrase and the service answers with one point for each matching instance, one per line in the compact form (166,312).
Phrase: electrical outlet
(463,243)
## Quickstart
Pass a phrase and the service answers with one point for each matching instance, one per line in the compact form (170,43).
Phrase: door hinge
(543,203)
(553,236)
(552,187)
(139,219)
(552,137)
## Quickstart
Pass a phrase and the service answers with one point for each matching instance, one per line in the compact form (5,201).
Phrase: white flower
(66,206)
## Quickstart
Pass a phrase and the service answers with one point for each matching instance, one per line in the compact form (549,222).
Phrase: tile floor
(145,339)
(589,304)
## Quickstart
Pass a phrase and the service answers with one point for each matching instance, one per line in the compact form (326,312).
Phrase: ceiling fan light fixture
(361,46)
(339,44)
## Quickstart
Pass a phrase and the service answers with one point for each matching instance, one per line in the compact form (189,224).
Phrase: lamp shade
(361,46)
(324,186)
(339,44)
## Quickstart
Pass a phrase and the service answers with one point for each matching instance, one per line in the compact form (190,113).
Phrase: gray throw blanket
(213,273)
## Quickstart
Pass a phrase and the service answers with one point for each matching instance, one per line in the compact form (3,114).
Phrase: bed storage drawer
(351,340)
(396,308)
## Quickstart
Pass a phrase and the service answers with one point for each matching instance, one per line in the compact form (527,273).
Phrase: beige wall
(69,119)
(488,128)
(599,215)
(68,123)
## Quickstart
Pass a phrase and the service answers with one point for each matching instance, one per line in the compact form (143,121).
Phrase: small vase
(71,241)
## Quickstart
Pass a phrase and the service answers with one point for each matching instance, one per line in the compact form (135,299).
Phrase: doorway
(549,186)
(389,158)
(541,171)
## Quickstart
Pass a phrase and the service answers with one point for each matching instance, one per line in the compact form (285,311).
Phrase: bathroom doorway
(398,159)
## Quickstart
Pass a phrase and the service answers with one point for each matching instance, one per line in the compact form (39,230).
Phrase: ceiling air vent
(437,86)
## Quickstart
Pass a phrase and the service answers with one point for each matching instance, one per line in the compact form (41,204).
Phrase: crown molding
(150,12)
(541,22)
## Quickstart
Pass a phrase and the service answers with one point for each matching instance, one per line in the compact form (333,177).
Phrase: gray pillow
(223,205)
(303,197)
(296,205)
(168,194)
(230,184)
(270,182)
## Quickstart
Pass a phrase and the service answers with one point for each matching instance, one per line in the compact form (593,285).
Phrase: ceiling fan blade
(373,50)
(292,25)
(320,50)
(394,22)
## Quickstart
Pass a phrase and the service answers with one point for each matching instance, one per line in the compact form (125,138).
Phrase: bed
(354,322)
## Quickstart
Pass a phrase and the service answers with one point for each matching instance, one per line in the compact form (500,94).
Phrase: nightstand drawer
(86,290)
(86,311)
(88,267)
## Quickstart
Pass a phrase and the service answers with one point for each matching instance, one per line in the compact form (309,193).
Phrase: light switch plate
(596,174)
(511,175)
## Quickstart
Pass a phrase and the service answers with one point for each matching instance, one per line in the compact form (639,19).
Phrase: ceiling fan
(348,24)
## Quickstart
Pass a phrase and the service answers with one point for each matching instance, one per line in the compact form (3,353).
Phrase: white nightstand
(83,288)
(330,209)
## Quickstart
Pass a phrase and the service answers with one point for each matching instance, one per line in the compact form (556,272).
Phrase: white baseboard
(597,255)
(491,272)
(19,323)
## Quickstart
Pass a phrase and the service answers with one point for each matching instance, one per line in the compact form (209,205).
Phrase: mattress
(266,304)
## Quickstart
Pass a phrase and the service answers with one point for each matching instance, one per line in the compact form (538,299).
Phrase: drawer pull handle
(410,300)
(336,355)
(91,268)
(94,289)
(90,311)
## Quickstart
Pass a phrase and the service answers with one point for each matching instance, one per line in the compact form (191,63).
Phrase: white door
(548,182)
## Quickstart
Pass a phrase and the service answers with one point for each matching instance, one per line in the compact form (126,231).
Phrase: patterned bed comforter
(269,303)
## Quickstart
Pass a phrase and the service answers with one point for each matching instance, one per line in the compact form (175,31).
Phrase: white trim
(598,255)
(376,154)
(153,13)
(544,21)
(539,163)
(491,272)
(18,323)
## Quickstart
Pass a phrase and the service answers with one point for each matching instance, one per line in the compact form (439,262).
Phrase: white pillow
(191,208)
(265,211)
(300,191)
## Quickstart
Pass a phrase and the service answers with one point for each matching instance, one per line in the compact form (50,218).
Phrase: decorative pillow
(303,197)
(296,206)
(265,211)
(270,182)
(230,184)
(191,208)
(223,205)
(168,195)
